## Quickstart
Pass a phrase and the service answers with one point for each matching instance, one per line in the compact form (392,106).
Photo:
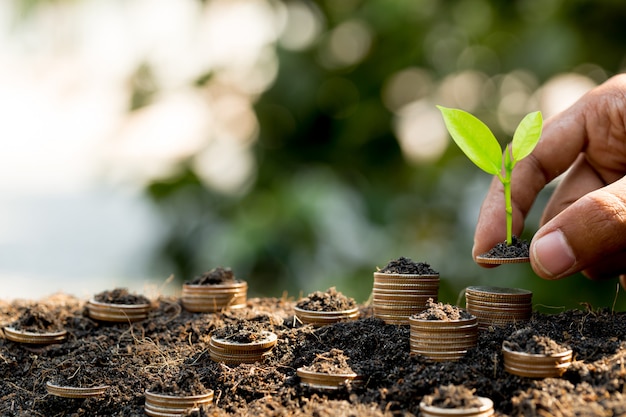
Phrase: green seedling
(480,145)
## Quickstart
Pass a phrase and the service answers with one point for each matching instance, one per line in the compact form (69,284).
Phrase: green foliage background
(334,197)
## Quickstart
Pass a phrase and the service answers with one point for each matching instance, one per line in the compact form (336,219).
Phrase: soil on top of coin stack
(404,265)
(441,311)
(241,332)
(79,376)
(120,296)
(37,321)
(215,276)
(187,382)
(329,300)
(332,362)
(527,340)
(453,396)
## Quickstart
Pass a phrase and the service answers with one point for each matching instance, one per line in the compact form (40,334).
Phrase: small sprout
(480,145)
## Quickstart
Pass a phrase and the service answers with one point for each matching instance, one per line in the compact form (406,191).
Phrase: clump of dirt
(404,265)
(517,249)
(453,396)
(37,321)
(527,340)
(329,300)
(332,362)
(241,332)
(187,382)
(441,311)
(79,376)
(120,296)
(216,276)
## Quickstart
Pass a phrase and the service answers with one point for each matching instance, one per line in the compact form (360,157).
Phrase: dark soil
(404,265)
(215,276)
(37,322)
(453,396)
(331,362)
(329,300)
(517,249)
(133,357)
(120,296)
(187,382)
(440,311)
(528,341)
(241,332)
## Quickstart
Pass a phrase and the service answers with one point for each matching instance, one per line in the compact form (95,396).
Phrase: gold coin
(21,336)
(75,392)
(266,341)
(501,261)
(325,381)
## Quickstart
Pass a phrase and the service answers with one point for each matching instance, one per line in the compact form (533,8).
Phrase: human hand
(583,227)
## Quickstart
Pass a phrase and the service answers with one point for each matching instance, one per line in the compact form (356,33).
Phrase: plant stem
(509,210)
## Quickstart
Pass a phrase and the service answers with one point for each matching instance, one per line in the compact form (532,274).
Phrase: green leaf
(526,135)
(474,138)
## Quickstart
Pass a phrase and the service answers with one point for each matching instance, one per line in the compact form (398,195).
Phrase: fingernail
(553,255)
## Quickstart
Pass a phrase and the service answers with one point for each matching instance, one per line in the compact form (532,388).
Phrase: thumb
(589,236)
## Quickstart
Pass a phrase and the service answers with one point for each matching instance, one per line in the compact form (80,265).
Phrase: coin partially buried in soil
(497,306)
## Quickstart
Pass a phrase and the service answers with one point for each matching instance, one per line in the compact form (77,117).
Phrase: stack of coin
(326,381)
(495,306)
(398,296)
(22,336)
(161,405)
(533,365)
(234,353)
(117,312)
(485,410)
(213,298)
(322,318)
(75,392)
(443,340)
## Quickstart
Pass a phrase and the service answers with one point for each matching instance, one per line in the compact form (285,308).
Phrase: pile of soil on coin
(120,296)
(132,357)
(528,341)
(187,382)
(329,300)
(331,362)
(215,276)
(241,332)
(404,265)
(517,249)
(37,322)
(441,311)
(453,396)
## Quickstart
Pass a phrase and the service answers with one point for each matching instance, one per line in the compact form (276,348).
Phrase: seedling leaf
(474,138)
(526,136)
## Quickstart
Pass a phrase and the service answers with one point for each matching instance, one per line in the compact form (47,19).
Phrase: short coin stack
(117,312)
(162,405)
(322,318)
(234,353)
(326,381)
(214,298)
(495,306)
(75,392)
(398,296)
(34,338)
(443,340)
(533,365)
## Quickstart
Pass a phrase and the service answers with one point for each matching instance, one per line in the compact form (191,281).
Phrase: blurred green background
(336,192)
(327,156)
